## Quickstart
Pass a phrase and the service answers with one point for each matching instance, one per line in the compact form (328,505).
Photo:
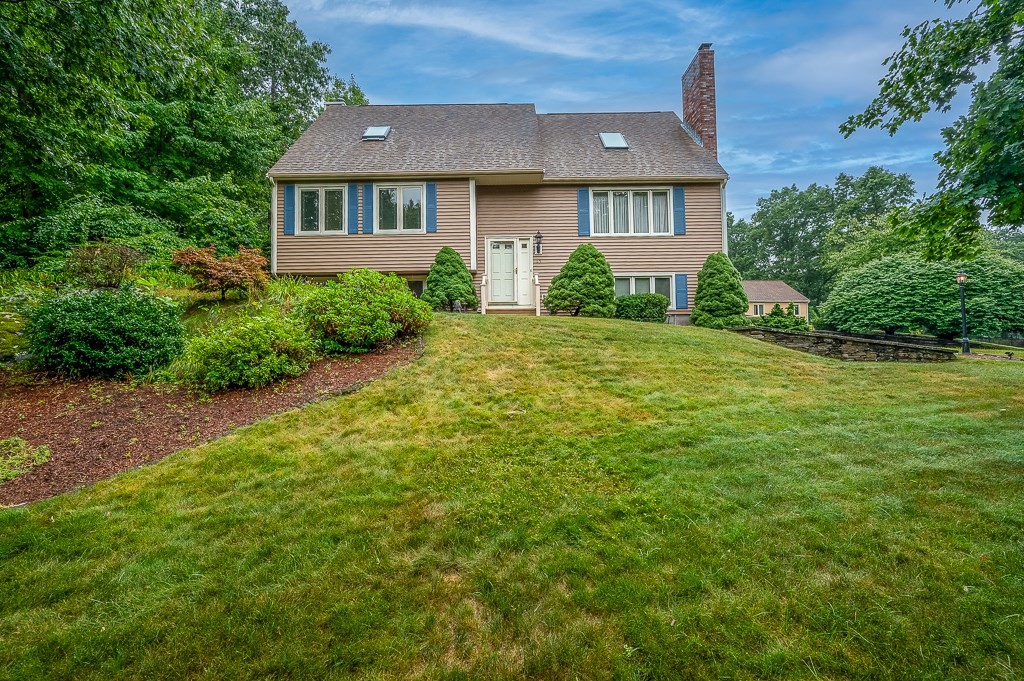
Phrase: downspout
(273,226)
(472,225)
(725,223)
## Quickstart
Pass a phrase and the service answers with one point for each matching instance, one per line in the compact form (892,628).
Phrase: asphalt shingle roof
(449,138)
(771,291)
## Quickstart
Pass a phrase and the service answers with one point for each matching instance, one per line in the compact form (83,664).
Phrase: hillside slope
(555,498)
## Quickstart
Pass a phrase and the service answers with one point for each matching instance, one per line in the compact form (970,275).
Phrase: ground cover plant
(18,456)
(556,498)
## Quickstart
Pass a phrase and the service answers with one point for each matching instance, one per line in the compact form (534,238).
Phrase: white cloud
(560,30)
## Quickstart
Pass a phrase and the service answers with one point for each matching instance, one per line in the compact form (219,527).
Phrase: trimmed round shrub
(362,310)
(247,351)
(449,280)
(104,333)
(786,320)
(720,301)
(642,307)
(584,286)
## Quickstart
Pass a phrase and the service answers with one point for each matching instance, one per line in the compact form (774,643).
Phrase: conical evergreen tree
(720,301)
(449,280)
(585,285)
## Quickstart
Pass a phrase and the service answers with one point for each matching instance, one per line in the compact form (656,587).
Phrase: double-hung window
(796,309)
(321,210)
(758,309)
(630,211)
(662,284)
(400,208)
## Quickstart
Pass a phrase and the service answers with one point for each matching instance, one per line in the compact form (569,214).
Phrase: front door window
(503,271)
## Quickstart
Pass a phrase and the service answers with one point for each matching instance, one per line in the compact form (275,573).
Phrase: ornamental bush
(786,320)
(642,307)
(584,286)
(904,292)
(720,301)
(449,280)
(246,351)
(102,264)
(245,272)
(104,333)
(91,218)
(362,310)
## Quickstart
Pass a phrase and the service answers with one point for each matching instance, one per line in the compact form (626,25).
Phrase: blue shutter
(682,292)
(353,209)
(431,206)
(583,212)
(289,209)
(678,210)
(367,209)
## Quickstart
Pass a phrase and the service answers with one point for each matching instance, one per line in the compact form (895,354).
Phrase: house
(514,192)
(765,294)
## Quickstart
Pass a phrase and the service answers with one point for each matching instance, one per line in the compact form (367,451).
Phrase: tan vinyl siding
(402,253)
(522,211)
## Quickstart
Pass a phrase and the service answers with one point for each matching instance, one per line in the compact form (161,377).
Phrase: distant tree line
(152,120)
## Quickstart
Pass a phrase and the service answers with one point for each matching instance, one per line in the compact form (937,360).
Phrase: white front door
(502,269)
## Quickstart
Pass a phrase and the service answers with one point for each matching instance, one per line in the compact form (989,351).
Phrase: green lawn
(556,498)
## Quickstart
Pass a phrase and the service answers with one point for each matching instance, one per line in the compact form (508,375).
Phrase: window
(758,309)
(630,211)
(662,284)
(416,286)
(613,140)
(400,208)
(796,309)
(377,132)
(321,210)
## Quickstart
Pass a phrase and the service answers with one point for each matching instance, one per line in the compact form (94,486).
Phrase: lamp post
(961,279)
(538,247)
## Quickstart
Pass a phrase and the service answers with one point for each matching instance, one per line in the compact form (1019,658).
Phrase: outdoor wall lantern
(961,279)
(538,246)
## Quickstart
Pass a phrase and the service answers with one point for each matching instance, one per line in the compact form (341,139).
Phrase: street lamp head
(961,277)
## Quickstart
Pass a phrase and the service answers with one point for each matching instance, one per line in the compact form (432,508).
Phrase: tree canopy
(982,165)
(171,109)
(794,233)
(906,292)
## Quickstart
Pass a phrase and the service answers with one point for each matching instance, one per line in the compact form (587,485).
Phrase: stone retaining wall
(848,348)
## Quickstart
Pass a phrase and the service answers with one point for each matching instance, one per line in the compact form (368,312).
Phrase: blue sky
(788,72)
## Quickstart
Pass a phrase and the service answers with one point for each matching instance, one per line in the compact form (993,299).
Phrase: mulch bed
(96,428)
(980,355)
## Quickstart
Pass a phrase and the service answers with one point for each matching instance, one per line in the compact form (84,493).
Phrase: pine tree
(585,285)
(449,280)
(720,301)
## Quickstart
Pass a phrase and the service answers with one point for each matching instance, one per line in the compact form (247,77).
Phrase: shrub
(906,292)
(18,456)
(786,320)
(642,307)
(449,280)
(720,301)
(102,264)
(103,333)
(247,351)
(90,218)
(245,272)
(362,310)
(584,286)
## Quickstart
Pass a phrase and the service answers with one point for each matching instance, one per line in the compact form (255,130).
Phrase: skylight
(377,132)
(613,140)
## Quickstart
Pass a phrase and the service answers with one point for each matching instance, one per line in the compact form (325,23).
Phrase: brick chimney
(700,113)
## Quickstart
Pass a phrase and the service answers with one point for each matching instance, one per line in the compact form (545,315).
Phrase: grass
(556,498)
